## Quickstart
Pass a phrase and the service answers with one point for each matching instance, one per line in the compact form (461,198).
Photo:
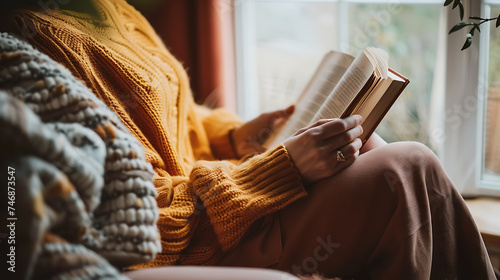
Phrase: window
(470,135)
(280,43)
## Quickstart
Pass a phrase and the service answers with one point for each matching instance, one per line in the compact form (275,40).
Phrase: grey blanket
(80,191)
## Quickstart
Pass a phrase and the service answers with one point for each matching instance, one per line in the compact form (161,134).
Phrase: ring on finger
(340,156)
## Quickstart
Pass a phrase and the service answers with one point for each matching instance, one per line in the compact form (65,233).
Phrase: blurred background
(253,56)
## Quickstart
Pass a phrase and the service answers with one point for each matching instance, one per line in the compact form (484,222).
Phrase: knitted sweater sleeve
(236,195)
(217,124)
(233,196)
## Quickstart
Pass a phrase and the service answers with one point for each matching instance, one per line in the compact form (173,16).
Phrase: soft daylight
(250,139)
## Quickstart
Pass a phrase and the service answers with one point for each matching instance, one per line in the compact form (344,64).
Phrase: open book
(344,85)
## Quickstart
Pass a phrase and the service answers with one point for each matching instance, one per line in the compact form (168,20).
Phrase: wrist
(230,136)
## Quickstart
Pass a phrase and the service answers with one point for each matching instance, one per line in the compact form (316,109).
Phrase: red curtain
(200,34)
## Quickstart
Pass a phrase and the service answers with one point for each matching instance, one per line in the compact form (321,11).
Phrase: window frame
(462,83)
(467,86)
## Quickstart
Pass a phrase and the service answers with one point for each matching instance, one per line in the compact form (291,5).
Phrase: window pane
(409,33)
(492,133)
(291,39)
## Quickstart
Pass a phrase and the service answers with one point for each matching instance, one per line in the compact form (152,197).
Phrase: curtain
(200,34)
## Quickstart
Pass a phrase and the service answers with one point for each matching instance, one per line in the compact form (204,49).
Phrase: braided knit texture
(205,203)
(85,189)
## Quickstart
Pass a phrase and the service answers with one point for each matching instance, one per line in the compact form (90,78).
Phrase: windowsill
(486,213)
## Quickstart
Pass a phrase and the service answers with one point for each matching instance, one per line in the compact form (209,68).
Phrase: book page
(348,87)
(362,97)
(373,98)
(326,78)
(380,59)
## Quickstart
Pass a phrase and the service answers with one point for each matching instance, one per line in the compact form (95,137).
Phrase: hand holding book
(339,109)
(344,85)
(313,149)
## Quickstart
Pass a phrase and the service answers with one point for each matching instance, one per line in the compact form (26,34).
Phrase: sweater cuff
(236,196)
(274,170)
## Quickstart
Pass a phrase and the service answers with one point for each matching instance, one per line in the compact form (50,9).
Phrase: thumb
(284,113)
(281,115)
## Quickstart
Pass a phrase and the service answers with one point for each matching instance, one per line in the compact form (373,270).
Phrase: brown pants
(393,214)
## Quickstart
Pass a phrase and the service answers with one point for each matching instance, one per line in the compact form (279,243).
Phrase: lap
(336,227)
(348,212)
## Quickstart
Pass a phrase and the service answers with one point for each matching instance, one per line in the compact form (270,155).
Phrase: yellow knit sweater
(205,204)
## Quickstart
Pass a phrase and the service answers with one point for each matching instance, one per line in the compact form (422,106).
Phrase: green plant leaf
(455,4)
(447,2)
(478,18)
(498,21)
(468,41)
(459,26)
(461,10)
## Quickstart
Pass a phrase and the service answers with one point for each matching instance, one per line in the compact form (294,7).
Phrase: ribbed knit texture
(205,205)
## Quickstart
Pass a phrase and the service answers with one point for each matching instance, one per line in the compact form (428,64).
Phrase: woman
(387,212)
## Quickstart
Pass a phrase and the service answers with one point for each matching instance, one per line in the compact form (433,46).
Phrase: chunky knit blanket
(83,198)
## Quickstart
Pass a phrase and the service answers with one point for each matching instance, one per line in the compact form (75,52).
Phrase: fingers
(316,125)
(338,126)
(278,117)
(344,164)
(339,133)
(351,149)
(326,128)
(316,158)
(332,166)
(275,118)
(288,111)
(284,113)
(344,138)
